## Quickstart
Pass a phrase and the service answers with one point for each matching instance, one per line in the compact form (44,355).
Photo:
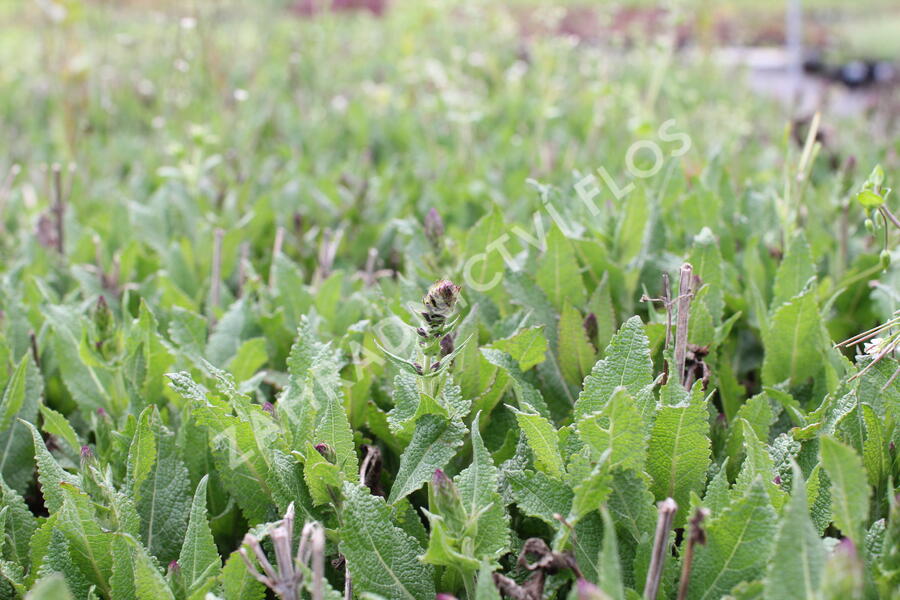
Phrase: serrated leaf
(238,583)
(14,395)
(558,273)
(161,494)
(434,443)
(538,495)
(609,576)
(527,346)
(51,587)
(798,558)
(678,453)
(793,342)
(576,354)
(543,440)
(199,559)
(20,525)
(626,363)
(618,427)
(56,424)
(381,558)
(50,474)
(849,487)
(737,548)
(482,502)
(795,270)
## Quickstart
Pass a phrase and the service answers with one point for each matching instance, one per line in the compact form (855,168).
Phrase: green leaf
(434,443)
(238,583)
(485,589)
(558,273)
(58,425)
(149,583)
(382,559)
(90,545)
(333,429)
(795,568)
(161,493)
(14,396)
(738,544)
(484,264)
(626,363)
(794,272)
(617,427)
(482,502)
(678,453)
(89,384)
(16,443)
(199,559)
(543,440)
(849,489)
(527,346)
(707,262)
(50,474)
(610,572)
(793,342)
(20,525)
(51,587)
(576,355)
(875,449)
(538,495)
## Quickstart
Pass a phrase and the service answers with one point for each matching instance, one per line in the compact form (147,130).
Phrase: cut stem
(685,295)
(667,509)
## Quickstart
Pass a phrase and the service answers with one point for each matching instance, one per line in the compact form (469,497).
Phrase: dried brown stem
(667,509)
(696,536)
(685,295)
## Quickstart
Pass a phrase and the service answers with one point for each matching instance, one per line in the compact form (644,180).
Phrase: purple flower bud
(421,332)
(589,591)
(435,366)
(326,452)
(174,567)
(101,412)
(777,480)
(446,345)
(86,453)
(590,326)
(443,596)
(417,367)
(269,408)
(434,227)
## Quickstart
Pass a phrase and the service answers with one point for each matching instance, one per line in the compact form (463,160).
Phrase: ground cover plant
(430,305)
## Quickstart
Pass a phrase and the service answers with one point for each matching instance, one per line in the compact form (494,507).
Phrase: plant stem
(685,294)
(697,536)
(667,510)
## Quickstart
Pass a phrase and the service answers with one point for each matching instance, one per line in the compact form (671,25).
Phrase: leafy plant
(217,380)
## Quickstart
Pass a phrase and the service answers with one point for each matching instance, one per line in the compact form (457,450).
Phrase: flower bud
(590,326)
(440,301)
(446,502)
(589,591)
(103,318)
(870,226)
(434,227)
(446,345)
(326,451)
(269,408)
(885,258)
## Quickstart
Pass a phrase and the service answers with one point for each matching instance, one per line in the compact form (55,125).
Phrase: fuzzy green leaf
(434,443)
(382,559)
(626,363)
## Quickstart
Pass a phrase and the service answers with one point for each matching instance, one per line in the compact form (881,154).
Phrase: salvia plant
(315,308)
